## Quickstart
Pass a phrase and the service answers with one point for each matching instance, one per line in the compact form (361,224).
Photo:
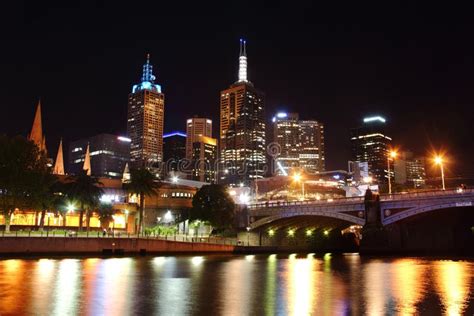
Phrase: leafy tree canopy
(213,204)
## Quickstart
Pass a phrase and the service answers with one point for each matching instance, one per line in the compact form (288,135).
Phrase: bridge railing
(383,197)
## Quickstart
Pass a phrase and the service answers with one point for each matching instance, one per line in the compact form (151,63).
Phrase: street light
(439,161)
(392,154)
(297,178)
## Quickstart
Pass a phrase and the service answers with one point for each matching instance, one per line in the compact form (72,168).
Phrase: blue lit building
(145,119)
(109,154)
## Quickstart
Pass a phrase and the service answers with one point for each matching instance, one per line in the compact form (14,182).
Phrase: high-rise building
(196,127)
(174,150)
(370,144)
(204,154)
(409,170)
(242,129)
(146,107)
(108,155)
(301,143)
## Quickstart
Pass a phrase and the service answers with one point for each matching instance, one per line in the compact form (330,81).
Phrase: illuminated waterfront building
(242,129)
(196,127)
(204,154)
(301,143)
(108,155)
(145,121)
(370,144)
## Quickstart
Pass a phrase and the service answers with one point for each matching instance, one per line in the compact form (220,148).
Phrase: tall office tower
(196,127)
(301,143)
(146,107)
(370,144)
(286,133)
(108,155)
(204,154)
(311,154)
(174,150)
(242,129)
(410,170)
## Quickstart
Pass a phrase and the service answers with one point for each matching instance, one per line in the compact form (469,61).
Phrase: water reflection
(408,278)
(297,284)
(452,281)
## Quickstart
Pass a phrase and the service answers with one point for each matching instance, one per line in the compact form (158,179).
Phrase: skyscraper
(370,144)
(242,129)
(204,154)
(174,150)
(196,127)
(301,143)
(146,106)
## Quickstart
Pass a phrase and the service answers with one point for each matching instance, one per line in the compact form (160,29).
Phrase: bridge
(393,208)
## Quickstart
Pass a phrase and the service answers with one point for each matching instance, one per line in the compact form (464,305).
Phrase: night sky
(333,63)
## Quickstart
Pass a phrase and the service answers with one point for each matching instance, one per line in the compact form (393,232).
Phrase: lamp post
(248,236)
(392,154)
(297,177)
(439,161)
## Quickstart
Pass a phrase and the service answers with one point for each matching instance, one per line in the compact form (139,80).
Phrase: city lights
(438,160)
(271,232)
(291,232)
(391,155)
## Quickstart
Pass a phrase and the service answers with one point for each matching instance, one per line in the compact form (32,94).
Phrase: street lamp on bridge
(391,155)
(438,160)
(297,177)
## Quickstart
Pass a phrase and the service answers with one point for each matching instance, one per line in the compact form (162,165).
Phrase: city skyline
(337,83)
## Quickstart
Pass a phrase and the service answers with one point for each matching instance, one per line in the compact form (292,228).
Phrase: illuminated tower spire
(243,62)
(36,135)
(59,163)
(148,71)
(87,161)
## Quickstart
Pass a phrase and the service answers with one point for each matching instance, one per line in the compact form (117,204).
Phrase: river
(303,284)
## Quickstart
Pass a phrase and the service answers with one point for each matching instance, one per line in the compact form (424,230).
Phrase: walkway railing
(383,197)
(122,235)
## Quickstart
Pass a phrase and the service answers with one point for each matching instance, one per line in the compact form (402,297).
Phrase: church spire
(59,163)
(87,161)
(36,135)
(243,61)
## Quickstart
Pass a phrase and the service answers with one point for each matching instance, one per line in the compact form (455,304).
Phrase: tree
(22,165)
(86,191)
(142,183)
(213,204)
(46,195)
(106,213)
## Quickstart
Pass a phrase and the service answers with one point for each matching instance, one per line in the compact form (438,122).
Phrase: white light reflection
(67,288)
(197,260)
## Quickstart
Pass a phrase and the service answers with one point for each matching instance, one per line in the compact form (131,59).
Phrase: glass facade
(109,154)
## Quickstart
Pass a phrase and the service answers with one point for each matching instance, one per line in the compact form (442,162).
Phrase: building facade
(108,155)
(242,129)
(410,170)
(174,151)
(204,158)
(146,106)
(370,144)
(301,143)
(196,127)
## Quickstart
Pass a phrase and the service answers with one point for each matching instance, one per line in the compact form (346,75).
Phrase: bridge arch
(285,215)
(422,209)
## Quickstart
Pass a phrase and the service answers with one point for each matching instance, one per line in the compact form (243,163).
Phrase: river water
(237,285)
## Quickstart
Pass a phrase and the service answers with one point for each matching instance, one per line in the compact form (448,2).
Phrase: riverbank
(13,246)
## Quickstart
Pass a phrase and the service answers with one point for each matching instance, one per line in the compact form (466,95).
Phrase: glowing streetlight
(291,232)
(391,155)
(271,232)
(174,179)
(438,160)
(298,178)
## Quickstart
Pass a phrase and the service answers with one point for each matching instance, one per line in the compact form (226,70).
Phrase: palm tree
(142,183)
(45,195)
(86,191)
(106,212)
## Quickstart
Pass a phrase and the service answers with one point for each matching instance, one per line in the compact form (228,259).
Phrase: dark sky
(332,62)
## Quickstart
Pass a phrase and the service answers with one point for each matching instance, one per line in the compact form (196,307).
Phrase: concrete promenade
(88,245)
